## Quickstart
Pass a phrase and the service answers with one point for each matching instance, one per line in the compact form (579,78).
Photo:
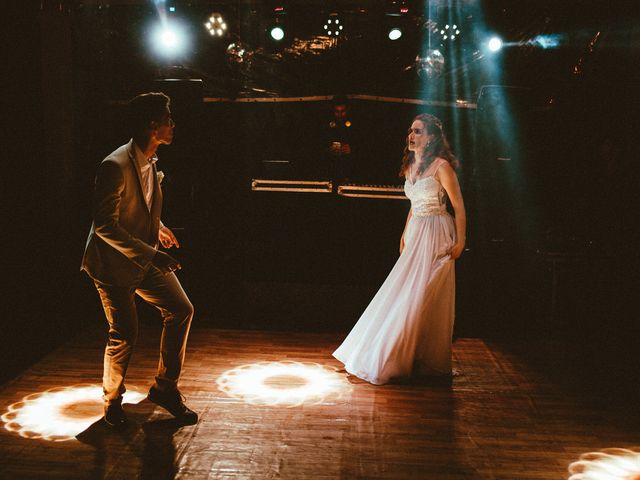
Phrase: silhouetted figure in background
(341,142)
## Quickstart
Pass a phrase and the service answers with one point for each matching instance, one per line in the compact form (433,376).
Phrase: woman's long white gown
(407,327)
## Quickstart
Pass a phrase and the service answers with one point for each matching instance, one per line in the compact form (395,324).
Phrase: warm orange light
(607,464)
(59,414)
(283,383)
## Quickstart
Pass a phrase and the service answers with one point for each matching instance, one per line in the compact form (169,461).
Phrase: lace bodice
(427,196)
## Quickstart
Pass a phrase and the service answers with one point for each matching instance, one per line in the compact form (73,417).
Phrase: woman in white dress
(408,326)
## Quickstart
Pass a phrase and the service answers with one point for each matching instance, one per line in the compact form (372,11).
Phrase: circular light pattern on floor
(283,383)
(59,414)
(607,464)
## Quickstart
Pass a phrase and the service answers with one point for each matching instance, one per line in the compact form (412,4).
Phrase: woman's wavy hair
(438,148)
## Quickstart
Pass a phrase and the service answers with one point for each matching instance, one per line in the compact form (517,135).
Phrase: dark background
(553,235)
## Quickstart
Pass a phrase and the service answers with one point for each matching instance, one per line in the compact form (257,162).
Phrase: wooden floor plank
(504,416)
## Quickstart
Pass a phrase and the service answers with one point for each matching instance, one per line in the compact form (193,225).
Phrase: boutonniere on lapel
(160,176)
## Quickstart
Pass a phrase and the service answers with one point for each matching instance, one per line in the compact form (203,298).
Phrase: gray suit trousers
(166,294)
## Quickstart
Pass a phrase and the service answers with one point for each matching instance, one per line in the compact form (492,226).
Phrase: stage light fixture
(430,65)
(334,27)
(216,26)
(168,39)
(450,32)
(395,33)
(495,44)
(277,33)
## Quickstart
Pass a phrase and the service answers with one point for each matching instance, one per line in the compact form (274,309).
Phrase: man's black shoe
(114,414)
(173,402)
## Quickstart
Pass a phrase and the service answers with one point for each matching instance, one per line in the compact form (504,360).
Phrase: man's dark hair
(144,109)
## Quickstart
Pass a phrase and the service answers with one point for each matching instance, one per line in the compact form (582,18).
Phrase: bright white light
(283,383)
(333,25)
(216,25)
(59,414)
(441,32)
(277,33)
(608,464)
(547,41)
(446,27)
(495,44)
(445,37)
(395,34)
(168,39)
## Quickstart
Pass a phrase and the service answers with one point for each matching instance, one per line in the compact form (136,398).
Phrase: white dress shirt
(146,174)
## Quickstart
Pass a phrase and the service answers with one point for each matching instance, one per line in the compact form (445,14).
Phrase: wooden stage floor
(274,405)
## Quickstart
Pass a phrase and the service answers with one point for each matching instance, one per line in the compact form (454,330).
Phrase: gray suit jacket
(124,235)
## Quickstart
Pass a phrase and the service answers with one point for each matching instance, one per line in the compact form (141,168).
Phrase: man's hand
(167,238)
(165,262)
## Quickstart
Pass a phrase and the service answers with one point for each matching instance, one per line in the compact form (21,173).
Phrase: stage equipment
(334,26)
(277,29)
(430,65)
(395,33)
(277,33)
(304,186)
(449,32)
(216,26)
(395,192)
(169,39)
(495,44)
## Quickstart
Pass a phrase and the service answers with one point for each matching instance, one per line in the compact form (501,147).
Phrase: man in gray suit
(123,259)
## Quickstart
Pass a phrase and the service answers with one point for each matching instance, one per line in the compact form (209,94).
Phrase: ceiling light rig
(278,29)
(216,26)
(449,32)
(334,27)
(395,33)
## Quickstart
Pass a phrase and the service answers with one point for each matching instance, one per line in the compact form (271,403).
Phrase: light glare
(395,34)
(168,39)
(277,33)
(608,464)
(59,414)
(495,44)
(282,383)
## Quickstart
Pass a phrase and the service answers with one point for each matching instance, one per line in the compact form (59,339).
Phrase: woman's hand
(457,250)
